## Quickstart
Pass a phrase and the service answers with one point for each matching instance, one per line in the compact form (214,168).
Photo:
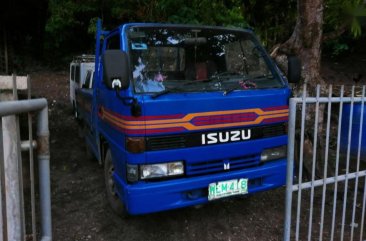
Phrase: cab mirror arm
(129,101)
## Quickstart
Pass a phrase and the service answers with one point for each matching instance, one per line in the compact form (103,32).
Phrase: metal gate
(326,171)
(17,220)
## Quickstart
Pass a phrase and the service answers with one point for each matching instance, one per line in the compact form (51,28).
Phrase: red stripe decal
(275,108)
(219,121)
(222,117)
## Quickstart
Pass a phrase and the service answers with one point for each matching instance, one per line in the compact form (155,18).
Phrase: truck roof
(84,58)
(187,26)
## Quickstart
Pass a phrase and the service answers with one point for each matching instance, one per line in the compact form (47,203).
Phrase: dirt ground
(80,210)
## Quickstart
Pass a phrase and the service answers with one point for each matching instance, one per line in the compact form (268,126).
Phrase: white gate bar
(347,164)
(315,143)
(325,174)
(301,161)
(358,163)
(290,167)
(337,164)
(329,180)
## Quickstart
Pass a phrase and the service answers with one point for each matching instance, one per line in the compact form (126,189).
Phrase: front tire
(112,196)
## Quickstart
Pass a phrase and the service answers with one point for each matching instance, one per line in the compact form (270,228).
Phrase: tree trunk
(305,41)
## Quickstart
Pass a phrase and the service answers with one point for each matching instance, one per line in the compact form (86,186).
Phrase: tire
(75,111)
(112,196)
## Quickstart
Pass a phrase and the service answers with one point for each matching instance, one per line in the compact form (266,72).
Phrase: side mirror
(115,69)
(294,69)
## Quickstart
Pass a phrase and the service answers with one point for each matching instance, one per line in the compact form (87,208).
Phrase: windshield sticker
(143,82)
(139,68)
(159,77)
(172,40)
(247,84)
(139,46)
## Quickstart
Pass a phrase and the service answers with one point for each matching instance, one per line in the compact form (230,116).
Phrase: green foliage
(71,26)
(273,20)
(67,27)
(344,14)
(211,12)
(336,48)
(204,12)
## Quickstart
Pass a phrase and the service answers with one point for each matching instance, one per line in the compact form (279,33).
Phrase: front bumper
(152,197)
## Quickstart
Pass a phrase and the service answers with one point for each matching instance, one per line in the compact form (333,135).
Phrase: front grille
(208,167)
(166,142)
(156,143)
(275,130)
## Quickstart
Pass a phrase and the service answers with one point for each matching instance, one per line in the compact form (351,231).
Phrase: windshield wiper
(170,90)
(244,84)
(227,74)
(220,76)
(163,92)
(262,77)
(228,91)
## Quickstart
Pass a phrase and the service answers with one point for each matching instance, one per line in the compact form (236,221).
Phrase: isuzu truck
(182,115)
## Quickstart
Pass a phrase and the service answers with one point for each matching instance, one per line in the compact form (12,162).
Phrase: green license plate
(222,189)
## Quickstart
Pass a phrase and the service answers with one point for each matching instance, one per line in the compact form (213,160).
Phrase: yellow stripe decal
(185,121)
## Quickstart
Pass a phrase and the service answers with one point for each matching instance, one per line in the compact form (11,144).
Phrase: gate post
(13,227)
(290,167)
(11,202)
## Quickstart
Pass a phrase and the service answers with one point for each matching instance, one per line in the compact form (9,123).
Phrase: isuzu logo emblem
(226,166)
(225,136)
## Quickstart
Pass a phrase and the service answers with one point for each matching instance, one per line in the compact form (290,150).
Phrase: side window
(92,79)
(86,85)
(72,75)
(113,42)
(77,74)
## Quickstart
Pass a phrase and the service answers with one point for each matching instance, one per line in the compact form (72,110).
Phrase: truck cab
(181,115)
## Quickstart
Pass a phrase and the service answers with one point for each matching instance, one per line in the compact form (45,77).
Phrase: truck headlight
(274,153)
(161,170)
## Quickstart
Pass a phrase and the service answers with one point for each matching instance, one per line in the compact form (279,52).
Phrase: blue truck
(182,115)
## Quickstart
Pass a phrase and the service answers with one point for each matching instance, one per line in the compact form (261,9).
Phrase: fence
(326,191)
(12,210)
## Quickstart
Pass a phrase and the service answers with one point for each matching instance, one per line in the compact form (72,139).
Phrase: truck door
(105,99)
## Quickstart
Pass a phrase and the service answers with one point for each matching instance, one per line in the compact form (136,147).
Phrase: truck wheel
(75,110)
(112,196)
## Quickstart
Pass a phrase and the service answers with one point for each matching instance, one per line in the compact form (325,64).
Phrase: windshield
(190,60)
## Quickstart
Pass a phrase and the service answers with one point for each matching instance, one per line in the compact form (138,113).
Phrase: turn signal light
(135,144)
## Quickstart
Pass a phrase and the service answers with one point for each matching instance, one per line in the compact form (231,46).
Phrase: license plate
(222,189)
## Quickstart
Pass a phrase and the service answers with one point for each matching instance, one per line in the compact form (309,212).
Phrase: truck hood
(174,113)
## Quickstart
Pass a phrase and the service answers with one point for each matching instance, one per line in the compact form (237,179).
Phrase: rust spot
(43,147)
